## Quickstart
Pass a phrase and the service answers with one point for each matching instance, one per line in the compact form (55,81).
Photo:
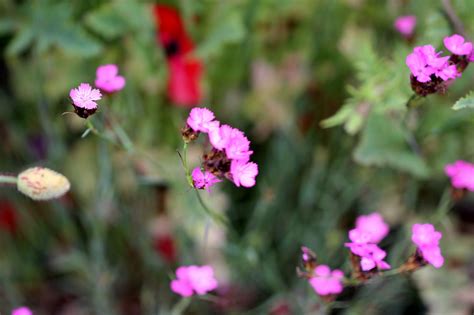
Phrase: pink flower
(238,146)
(426,238)
(243,173)
(220,136)
(194,279)
(424,235)
(374,225)
(457,45)
(85,96)
(108,80)
(201,119)
(405,25)
(461,174)
(22,311)
(326,282)
(373,257)
(418,67)
(203,180)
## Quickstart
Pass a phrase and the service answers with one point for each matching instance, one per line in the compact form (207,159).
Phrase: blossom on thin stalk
(84,100)
(327,282)
(108,79)
(458,45)
(203,180)
(192,280)
(426,238)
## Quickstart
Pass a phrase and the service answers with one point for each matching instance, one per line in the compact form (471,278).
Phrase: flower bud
(40,183)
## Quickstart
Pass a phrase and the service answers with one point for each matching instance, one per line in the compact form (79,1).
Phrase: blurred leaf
(106,21)
(7,25)
(20,42)
(384,143)
(465,102)
(229,30)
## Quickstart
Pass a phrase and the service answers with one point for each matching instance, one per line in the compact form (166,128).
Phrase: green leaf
(106,21)
(20,42)
(465,102)
(384,143)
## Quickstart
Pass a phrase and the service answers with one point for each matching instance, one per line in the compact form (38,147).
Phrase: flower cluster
(430,71)
(461,174)
(230,154)
(426,238)
(84,98)
(405,25)
(369,231)
(194,280)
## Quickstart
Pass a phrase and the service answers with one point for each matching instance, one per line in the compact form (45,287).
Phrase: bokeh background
(320,88)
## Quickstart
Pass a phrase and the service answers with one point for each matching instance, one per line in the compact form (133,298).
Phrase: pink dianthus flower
(405,25)
(461,174)
(426,238)
(203,180)
(374,225)
(108,80)
(457,45)
(194,280)
(243,173)
(22,311)
(85,96)
(201,119)
(326,282)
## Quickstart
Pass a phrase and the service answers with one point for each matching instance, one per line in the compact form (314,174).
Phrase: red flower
(185,71)
(164,245)
(8,218)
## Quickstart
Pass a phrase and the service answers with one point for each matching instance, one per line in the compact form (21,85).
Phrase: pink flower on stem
(374,225)
(220,136)
(457,45)
(461,174)
(326,282)
(85,96)
(405,25)
(418,67)
(22,311)
(373,257)
(243,173)
(201,119)
(238,146)
(108,80)
(203,180)
(194,280)
(426,238)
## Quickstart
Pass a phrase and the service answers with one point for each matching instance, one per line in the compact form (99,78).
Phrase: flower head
(405,25)
(40,183)
(221,135)
(194,279)
(326,282)
(374,225)
(243,173)
(238,146)
(85,96)
(203,180)
(457,45)
(201,119)
(418,67)
(108,80)
(184,82)
(426,238)
(22,311)
(461,174)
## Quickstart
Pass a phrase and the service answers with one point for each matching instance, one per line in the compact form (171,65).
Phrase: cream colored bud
(40,183)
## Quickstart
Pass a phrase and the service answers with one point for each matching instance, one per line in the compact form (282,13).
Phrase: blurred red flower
(8,218)
(164,245)
(185,71)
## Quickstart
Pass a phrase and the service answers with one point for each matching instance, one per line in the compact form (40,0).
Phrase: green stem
(181,306)
(6,179)
(414,101)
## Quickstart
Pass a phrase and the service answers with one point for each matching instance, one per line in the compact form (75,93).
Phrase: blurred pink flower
(108,80)
(194,279)
(426,238)
(243,173)
(405,25)
(201,119)
(326,282)
(374,225)
(238,147)
(373,257)
(461,174)
(457,45)
(85,96)
(418,67)
(203,180)
(22,311)
(220,136)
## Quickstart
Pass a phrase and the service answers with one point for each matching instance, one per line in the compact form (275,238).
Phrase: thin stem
(6,179)
(453,19)
(181,306)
